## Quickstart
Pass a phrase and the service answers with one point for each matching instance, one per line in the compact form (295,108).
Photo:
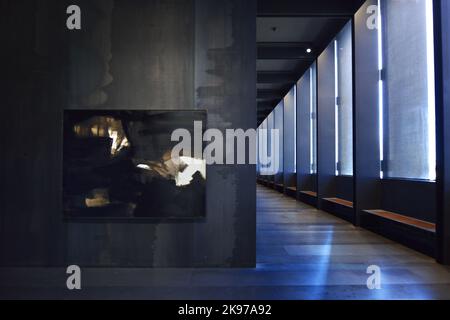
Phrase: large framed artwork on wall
(119,164)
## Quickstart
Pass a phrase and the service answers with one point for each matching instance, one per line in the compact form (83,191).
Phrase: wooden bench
(339,207)
(309,193)
(308,197)
(414,233)
(342,202)
(427,226)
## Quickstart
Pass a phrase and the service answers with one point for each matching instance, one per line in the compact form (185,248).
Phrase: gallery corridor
(324,257)
(225,150)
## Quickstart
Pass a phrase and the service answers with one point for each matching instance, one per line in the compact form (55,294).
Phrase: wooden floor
(303,253)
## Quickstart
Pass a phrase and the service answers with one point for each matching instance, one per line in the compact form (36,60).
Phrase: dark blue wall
(443,115)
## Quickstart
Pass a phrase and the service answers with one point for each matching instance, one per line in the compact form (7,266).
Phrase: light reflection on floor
(302,254)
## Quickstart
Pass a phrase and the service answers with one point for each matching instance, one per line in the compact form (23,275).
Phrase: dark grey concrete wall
(130,54)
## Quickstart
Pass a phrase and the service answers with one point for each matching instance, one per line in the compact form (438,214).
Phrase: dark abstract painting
(118,164)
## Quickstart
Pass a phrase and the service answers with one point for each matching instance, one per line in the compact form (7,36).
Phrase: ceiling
(285,30)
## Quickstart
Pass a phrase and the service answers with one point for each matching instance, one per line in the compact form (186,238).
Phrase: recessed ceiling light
(309,50)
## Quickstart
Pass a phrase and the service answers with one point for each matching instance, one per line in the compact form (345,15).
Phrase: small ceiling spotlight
(309,50)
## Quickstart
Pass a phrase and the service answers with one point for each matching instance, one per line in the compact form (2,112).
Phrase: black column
(442,31)
(326,125)
(366,112)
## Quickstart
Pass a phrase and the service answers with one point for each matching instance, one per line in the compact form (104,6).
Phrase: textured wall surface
(130,54)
